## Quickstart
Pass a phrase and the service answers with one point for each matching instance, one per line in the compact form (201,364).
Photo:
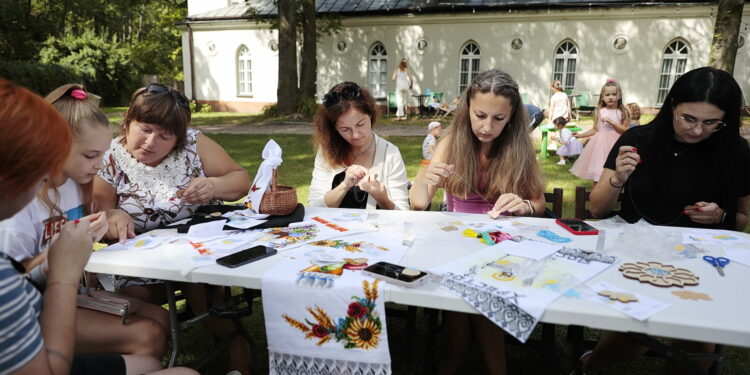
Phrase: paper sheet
(641,310)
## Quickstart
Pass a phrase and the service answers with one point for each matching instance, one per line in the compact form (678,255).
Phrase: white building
(231,61)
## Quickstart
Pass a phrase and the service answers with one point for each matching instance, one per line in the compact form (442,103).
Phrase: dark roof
(266,8)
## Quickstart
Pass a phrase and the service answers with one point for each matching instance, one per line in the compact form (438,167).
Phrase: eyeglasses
(350,91)
(157,89)
(689,123)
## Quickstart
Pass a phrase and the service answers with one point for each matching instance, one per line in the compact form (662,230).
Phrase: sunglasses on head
(350,91)
(157,89)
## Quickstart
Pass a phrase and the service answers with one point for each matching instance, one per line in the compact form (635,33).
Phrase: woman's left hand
(704,213)
(372,186)
(509,204)
(99,225)
(199,190)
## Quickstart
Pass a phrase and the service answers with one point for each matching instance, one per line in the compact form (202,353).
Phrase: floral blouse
(149,194)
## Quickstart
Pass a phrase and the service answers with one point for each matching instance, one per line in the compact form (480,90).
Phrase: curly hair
(342,97)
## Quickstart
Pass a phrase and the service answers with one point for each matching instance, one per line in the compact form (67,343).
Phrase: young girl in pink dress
(611,119)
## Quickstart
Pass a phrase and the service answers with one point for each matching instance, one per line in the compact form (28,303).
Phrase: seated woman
(486,163)
(689,167)
(354,168)
(36,340)
(27,236)
(160,171)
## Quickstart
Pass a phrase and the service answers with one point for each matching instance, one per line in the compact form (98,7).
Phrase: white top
(149,194)
(429,140)
(565,135)
(558,105)
(402,79)
(388,164)
(30,231)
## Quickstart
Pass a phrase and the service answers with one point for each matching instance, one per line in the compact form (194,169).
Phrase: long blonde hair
(625,114)
(80,111)
(512,164)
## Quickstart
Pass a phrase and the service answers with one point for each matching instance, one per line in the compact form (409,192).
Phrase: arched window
(244,72)
(469,65)
(378,70)
(566,61)
(673,65)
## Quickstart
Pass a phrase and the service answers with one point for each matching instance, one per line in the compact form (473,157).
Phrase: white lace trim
(163,180)
(289,364)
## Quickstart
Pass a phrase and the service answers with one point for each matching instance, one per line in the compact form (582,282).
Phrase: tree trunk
(726,32)
(309,58)
(287,92)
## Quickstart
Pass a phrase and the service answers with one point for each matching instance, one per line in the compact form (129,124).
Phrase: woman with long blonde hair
(487,165)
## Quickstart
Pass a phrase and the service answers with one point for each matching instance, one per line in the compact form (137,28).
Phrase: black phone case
(223,262)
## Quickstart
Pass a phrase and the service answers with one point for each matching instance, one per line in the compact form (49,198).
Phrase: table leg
(543,153)
(174,324)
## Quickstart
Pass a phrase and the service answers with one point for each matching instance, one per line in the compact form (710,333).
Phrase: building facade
(231,60)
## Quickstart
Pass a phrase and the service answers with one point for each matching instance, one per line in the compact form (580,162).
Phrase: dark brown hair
(168,109)
(336,150)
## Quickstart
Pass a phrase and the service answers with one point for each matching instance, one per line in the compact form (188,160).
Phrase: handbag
(109,303)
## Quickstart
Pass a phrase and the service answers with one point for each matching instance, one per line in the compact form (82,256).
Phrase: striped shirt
(20,307)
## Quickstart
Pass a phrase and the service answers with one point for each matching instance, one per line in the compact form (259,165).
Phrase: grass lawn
(296,170)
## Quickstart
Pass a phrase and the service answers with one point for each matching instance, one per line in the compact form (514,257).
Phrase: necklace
(358,154)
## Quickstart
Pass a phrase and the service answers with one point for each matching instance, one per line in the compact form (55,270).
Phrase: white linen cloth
(271,160)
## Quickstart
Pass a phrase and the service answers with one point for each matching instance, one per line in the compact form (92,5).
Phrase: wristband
(723,217)
(531,207)
(613,185)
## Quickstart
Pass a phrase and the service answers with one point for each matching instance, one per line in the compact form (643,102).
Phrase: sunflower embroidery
(360,328)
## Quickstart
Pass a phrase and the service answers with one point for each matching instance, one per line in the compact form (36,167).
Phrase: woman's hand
(120,225)
(372,186)
(509,204)
(435,172)
(70,252)
(704,213)
(625,163)
(99,224)
(199,190)
(354,174)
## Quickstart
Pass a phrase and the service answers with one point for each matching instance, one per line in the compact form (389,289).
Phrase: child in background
(635,114)
(567,144)
(611,119)
(433,107)
(428,145)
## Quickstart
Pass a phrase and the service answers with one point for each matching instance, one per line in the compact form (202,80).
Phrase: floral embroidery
(360,328)
(658,274)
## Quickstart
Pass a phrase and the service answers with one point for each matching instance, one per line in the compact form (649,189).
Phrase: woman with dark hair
(159,171)
(354,168)
(689,167)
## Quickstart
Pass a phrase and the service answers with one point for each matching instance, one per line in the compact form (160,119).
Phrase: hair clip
(79,94)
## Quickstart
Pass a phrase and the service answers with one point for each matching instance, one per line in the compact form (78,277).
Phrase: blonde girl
(611,118)
(487,165)
(559,104)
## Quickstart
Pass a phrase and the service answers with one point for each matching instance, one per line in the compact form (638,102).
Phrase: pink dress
(590,164)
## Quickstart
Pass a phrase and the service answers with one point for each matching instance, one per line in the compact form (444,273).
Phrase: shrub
(271,110)
(307,106)
(40,78)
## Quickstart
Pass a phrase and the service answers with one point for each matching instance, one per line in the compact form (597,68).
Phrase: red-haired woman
(36,341)
(354,168)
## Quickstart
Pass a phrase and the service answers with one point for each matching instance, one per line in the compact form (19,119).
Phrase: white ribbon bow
(271,160)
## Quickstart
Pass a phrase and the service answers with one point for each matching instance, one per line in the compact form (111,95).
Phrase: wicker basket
(279,199)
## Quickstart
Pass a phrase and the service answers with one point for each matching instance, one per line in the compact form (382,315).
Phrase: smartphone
(577,226)
(395,274)
(246,256)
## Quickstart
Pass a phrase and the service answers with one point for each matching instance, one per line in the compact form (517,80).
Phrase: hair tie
(611,80)
(79,94)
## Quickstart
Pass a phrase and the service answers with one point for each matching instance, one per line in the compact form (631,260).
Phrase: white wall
(649,31)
